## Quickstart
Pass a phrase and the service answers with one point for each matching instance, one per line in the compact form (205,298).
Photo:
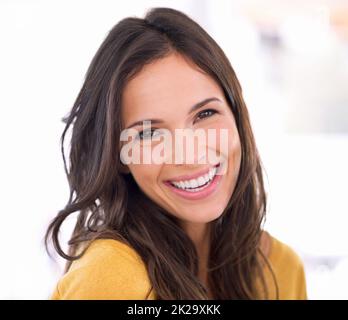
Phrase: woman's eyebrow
(202,103)
(193,108)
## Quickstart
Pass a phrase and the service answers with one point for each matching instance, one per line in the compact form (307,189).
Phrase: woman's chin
(201,217)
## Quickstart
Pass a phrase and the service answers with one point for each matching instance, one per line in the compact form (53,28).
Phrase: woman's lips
(205,191)
(192,176)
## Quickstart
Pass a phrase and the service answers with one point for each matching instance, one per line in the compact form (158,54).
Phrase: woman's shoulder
(109,269)
(287,266)
(280,253)
(105,251)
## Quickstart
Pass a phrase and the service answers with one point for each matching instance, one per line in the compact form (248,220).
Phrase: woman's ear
(123,169)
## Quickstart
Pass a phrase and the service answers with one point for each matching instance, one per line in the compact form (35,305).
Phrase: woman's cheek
(226,141)
(145,176)
(234,153)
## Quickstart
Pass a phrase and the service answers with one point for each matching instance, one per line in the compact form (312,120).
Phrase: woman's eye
(146,134)
(206,113)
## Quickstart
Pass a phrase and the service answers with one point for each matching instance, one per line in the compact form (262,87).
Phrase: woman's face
(166,90)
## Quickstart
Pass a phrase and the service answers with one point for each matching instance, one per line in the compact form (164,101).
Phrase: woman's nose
(190,148)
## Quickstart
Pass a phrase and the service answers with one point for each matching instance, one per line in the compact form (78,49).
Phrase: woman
(167,230)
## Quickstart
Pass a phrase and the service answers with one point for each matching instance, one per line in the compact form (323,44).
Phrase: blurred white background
(291,58)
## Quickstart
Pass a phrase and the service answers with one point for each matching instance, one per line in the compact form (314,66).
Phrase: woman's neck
(199,233)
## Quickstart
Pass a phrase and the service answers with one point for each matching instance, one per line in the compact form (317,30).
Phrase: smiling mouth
(197,184)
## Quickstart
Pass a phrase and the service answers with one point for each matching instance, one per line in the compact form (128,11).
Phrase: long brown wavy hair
(110,204)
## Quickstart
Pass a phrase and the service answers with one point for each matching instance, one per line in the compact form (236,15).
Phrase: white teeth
(201,181)
(194,183)
(212,172)
(189,185)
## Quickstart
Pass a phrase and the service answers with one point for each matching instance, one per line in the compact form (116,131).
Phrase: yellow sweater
(112,270)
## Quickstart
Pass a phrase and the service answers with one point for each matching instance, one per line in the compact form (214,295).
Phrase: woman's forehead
(167,84)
